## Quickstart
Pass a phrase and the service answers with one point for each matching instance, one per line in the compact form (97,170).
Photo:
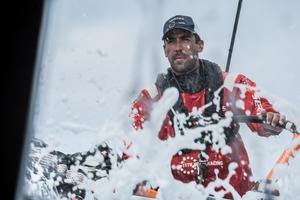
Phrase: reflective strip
(229,81)
(152,90)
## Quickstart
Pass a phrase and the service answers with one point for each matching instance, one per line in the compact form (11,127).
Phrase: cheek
(165,51)
(168,51)
(188,48)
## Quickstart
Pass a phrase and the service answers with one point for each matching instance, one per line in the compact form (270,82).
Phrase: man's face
(182,50)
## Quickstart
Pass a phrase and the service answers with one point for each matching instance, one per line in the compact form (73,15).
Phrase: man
(197,81)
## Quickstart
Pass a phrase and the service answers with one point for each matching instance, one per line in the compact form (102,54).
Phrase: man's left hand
(273,120)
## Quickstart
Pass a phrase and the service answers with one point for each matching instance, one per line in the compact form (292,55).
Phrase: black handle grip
(290,126)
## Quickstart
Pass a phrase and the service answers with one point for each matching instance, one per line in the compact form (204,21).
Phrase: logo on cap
(172,24)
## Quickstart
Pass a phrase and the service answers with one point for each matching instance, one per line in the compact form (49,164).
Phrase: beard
(185,65)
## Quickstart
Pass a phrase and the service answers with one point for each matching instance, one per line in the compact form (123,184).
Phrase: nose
(178,45)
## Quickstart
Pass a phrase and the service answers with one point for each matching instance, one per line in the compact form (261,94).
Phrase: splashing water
(150,160)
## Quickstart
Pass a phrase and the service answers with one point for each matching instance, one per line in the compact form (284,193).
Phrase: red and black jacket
(196,89)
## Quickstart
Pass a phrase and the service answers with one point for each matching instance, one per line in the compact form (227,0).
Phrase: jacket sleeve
(244,99)
(142,106)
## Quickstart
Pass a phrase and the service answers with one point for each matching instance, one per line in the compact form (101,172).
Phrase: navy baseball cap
(179,22)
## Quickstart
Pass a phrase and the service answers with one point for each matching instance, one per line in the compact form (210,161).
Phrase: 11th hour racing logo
(211,163)
(190,165)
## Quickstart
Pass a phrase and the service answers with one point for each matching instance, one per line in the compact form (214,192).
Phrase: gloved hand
(145,189)
(267,187)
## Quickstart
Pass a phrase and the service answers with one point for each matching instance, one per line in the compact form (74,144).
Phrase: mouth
(179,58)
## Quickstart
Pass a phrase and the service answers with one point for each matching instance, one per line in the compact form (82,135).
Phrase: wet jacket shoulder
(240,95)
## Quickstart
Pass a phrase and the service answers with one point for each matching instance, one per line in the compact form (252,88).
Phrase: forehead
(178,33)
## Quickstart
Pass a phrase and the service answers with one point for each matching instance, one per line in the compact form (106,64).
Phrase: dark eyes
(187,39)
(172,40)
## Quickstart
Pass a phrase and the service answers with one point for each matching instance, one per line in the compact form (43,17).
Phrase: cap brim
(177,27)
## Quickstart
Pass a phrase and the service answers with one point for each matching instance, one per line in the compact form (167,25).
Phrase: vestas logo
(257,103)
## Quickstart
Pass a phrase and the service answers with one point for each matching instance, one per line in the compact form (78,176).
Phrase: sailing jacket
(236,94)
